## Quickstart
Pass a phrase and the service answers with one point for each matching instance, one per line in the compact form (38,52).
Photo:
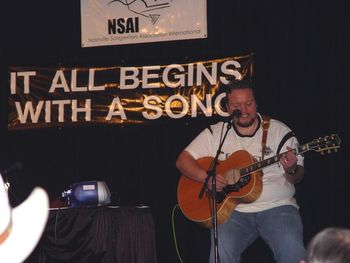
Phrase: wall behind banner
(301,63)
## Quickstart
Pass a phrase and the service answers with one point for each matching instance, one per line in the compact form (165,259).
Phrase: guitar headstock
(327,144)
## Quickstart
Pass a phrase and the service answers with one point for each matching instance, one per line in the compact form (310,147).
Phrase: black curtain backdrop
(301,74)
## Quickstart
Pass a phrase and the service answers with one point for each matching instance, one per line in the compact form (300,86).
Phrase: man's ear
(303,261)
(223,104)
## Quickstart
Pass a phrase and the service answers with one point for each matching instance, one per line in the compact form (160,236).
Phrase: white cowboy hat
(21,227)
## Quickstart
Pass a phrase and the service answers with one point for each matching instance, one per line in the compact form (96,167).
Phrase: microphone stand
(212,174)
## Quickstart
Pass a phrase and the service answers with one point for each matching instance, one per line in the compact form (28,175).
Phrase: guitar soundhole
(220,196)
(244,180)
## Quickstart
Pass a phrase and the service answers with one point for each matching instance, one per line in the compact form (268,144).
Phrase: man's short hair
(236,84)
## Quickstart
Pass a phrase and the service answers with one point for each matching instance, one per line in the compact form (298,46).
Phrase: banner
(118,22)
(62,97)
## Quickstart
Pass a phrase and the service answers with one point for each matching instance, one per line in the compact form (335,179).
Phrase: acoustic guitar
(244,175)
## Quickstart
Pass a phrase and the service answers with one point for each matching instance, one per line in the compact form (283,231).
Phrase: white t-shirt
(276,189)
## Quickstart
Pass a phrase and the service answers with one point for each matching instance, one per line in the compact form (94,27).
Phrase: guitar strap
(265,126)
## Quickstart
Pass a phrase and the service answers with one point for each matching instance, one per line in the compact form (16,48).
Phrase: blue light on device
(88,194)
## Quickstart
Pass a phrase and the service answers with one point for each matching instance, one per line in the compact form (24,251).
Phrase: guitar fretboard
(260,165)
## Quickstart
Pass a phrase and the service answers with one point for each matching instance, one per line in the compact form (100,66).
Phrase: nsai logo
(122,25)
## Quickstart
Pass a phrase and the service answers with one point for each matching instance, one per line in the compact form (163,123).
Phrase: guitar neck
(262,164)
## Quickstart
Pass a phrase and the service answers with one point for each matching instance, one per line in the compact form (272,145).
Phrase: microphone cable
(174,232)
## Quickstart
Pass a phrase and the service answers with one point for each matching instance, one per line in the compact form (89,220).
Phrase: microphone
(235,114)
(17,166)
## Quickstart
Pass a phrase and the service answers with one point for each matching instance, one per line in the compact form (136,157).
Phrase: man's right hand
(221,182)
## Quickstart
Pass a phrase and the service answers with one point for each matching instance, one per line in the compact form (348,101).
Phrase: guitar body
(244,174)
(199,209)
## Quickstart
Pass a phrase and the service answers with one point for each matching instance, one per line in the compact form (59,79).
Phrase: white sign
(118,22)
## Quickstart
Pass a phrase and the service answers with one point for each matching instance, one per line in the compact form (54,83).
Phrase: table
(100,234)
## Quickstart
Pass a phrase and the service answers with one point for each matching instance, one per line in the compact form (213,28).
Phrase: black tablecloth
(103,234)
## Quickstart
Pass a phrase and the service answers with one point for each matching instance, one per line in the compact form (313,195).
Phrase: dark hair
(236,84)
(329,245)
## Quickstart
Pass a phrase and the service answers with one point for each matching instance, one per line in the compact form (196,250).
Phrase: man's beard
(247,124)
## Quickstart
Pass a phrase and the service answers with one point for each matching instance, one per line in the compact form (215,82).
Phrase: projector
(87,194)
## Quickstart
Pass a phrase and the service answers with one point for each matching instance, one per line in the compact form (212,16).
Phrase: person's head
(331,245)
(240,96)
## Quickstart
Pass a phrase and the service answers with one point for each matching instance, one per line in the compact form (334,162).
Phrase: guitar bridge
(220,196)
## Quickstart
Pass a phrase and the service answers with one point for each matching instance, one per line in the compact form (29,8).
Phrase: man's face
(243,100)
